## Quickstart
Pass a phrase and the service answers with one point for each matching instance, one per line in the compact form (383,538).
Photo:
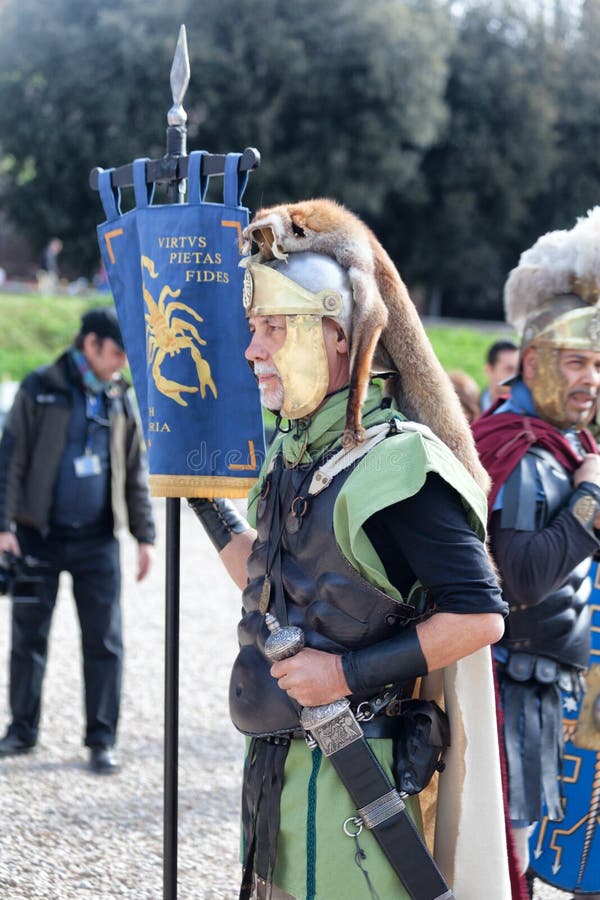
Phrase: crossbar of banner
(175,170)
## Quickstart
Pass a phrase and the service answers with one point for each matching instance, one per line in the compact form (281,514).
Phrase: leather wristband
(219,518)
(584,504)
(398,659)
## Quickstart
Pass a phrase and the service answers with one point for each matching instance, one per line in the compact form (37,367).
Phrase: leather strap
(379,805)
(400,658)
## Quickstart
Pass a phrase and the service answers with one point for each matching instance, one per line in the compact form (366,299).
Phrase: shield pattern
(566,854)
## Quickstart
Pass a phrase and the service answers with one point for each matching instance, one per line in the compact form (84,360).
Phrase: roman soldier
(545,508)
(364,573)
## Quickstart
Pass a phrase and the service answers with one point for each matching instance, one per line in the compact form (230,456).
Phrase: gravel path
(67,833)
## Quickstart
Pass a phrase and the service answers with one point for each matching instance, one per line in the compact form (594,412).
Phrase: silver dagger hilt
(284,641)
(323,722)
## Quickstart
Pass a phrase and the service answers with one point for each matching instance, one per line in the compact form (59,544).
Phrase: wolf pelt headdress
(386,331)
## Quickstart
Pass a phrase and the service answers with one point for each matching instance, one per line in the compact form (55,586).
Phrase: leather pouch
(520,666)
(546,670)
(423,737)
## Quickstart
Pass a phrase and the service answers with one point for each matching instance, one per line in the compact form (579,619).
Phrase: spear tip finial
(180,78)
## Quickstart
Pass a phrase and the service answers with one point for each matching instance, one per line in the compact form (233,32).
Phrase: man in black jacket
(72,474)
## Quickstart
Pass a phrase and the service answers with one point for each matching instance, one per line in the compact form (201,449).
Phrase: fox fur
(385,321)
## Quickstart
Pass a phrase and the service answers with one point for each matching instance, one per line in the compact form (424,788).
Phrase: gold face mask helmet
(564,324)
(552,298)
(306,288)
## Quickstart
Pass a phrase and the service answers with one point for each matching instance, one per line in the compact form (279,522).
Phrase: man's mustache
(583,392)
(263,369)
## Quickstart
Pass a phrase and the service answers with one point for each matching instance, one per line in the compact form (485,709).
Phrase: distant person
(502,363)
(468,393)
(50,255)
(71,475)
(48,277)
(100,280)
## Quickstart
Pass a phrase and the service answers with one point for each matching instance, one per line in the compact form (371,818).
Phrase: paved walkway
(67,833)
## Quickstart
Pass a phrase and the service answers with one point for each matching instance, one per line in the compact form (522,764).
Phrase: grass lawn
(34,329)
(459,346)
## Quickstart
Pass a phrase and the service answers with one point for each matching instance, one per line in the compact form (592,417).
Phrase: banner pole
(171,725)
(176,148)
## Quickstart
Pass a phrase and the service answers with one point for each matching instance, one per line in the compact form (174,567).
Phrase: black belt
(380,807)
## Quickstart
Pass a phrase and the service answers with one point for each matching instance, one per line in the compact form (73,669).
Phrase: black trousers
(94,566)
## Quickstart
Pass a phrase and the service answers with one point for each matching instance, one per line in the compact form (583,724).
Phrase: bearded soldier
(545,507)
(370,552)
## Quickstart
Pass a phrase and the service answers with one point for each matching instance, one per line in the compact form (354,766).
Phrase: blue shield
(566,853)
(174,271)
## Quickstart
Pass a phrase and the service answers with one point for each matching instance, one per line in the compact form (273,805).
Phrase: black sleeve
(137,492)
(533,564)
(15,445)
(7,446)
(428,537)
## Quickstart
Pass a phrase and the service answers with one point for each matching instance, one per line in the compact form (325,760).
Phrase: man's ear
(342,344)
(90,341)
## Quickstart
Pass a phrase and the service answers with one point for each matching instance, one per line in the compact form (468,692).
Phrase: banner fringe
(200,486)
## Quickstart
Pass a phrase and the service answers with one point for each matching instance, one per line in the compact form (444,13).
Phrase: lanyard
(94,407)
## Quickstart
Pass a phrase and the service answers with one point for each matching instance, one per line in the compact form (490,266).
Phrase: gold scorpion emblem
(168,335)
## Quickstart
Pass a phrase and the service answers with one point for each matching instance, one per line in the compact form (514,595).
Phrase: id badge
(86,465)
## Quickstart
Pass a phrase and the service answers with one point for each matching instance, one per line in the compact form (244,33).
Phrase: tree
(335,96)
(78,88)
(575,185)
(479,182)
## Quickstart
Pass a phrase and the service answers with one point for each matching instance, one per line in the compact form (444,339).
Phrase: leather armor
(313,586)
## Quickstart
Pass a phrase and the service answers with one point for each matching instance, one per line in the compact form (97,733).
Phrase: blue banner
(177,285)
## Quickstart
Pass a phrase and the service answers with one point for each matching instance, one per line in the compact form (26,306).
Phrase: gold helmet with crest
(552,299)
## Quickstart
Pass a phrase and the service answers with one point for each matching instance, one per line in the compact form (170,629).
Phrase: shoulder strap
(374,435)
(343,459)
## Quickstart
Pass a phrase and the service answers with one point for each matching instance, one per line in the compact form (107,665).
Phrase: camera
(21,578)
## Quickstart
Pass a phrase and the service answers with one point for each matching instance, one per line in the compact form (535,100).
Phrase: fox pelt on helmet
(386,327)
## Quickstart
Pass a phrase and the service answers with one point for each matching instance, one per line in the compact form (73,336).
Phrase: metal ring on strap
(383,808)
(299,511)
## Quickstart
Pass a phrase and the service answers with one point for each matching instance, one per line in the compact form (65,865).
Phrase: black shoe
(103,760)
(11,745)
